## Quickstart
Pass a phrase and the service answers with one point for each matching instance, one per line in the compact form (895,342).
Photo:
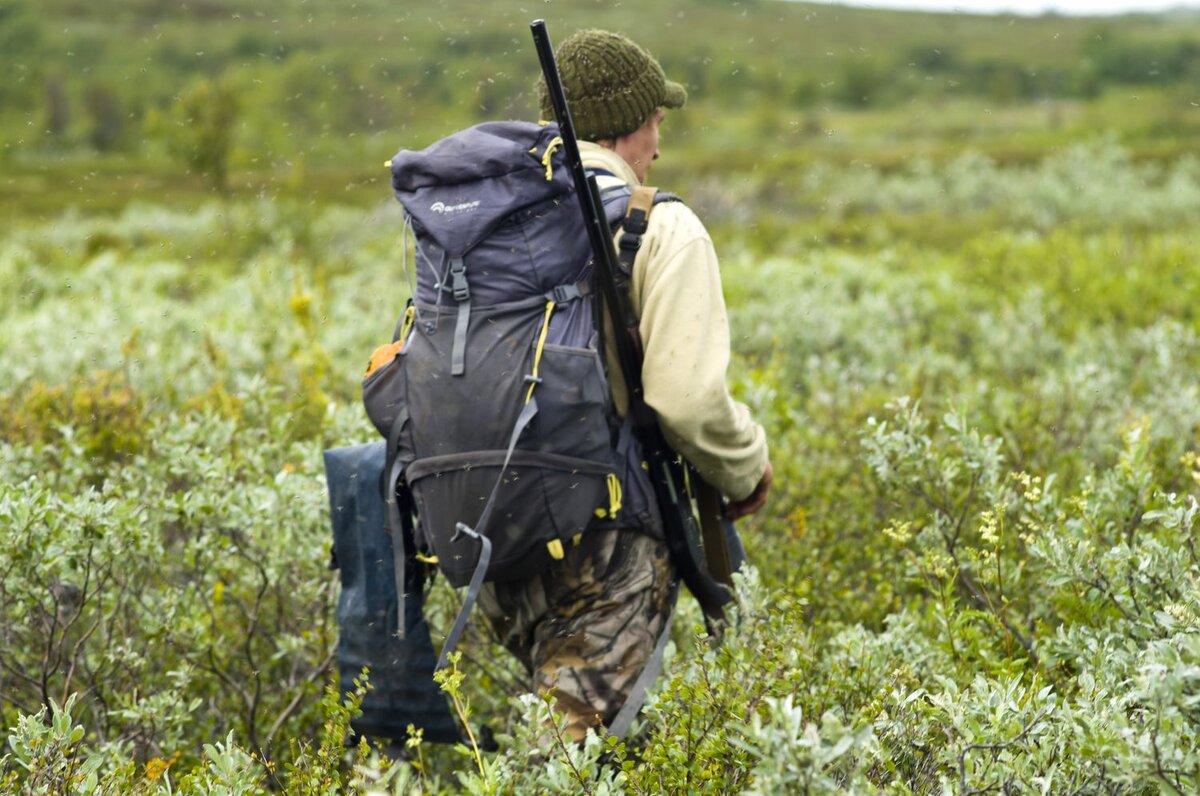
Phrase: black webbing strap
(637,219)
(462,294)
(397,517)
(561,294)
(480,532)
(650,672)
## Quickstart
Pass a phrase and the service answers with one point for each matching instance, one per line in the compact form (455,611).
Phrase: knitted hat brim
(674,95)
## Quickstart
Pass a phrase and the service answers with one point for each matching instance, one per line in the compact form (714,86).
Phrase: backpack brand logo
(465,207)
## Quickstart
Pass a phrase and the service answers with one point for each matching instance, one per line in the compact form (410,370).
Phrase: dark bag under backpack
(400,665)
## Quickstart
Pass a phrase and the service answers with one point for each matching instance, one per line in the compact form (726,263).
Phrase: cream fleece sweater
(685,332)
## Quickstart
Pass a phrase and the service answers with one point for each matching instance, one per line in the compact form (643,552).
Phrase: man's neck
(597,157)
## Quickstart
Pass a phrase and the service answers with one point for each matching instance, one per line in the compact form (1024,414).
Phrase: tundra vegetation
(959,257)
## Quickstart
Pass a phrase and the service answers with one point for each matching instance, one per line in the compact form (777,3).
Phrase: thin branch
(16,704)
(562,746)
(964,512)
(250,634)
(20,675)
(319,671)
(213,668)
(982,600)
(75,655)
(994,747)
(1101,585)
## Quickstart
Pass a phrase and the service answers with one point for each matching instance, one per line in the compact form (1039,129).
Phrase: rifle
(674,485)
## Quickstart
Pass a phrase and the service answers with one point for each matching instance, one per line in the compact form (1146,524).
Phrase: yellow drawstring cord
(537,354)
(614,498)
(424,559)
(554,144)
(614,495)
(554,546)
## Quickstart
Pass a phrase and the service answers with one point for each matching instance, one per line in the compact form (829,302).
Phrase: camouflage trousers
(587,626)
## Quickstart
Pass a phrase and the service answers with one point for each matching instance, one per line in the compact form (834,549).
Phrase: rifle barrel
(599,235)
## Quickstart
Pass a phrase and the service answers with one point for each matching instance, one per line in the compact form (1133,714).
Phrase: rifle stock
(667,471)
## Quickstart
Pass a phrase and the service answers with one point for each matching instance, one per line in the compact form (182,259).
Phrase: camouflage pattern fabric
(587,626)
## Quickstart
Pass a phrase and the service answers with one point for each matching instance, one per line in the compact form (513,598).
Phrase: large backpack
(493,397)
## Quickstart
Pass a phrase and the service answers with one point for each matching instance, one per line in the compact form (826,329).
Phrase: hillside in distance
(319,90)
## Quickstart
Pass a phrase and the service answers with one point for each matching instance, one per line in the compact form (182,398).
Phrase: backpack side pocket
(385,391)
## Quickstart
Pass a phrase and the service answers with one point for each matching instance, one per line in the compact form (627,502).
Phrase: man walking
(587,626)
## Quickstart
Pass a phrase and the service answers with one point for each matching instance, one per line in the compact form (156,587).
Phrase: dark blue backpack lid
(460,188)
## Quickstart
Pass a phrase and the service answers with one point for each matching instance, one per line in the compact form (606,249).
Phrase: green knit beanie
(612,85)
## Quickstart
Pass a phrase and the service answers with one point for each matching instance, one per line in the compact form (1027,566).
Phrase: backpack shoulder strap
(642,200)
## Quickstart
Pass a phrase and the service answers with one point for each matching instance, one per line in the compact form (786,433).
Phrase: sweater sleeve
(685,333)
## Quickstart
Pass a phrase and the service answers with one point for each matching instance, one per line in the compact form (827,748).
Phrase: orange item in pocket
(383,355)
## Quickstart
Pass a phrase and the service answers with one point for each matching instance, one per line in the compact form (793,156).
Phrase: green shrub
(101,417)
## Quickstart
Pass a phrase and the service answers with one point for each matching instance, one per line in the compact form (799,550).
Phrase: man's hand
(736,509)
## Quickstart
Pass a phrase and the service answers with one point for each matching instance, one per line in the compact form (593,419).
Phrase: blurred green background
(105,102)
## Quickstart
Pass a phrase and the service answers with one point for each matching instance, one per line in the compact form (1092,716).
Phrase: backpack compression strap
(650,672)
(462,294)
